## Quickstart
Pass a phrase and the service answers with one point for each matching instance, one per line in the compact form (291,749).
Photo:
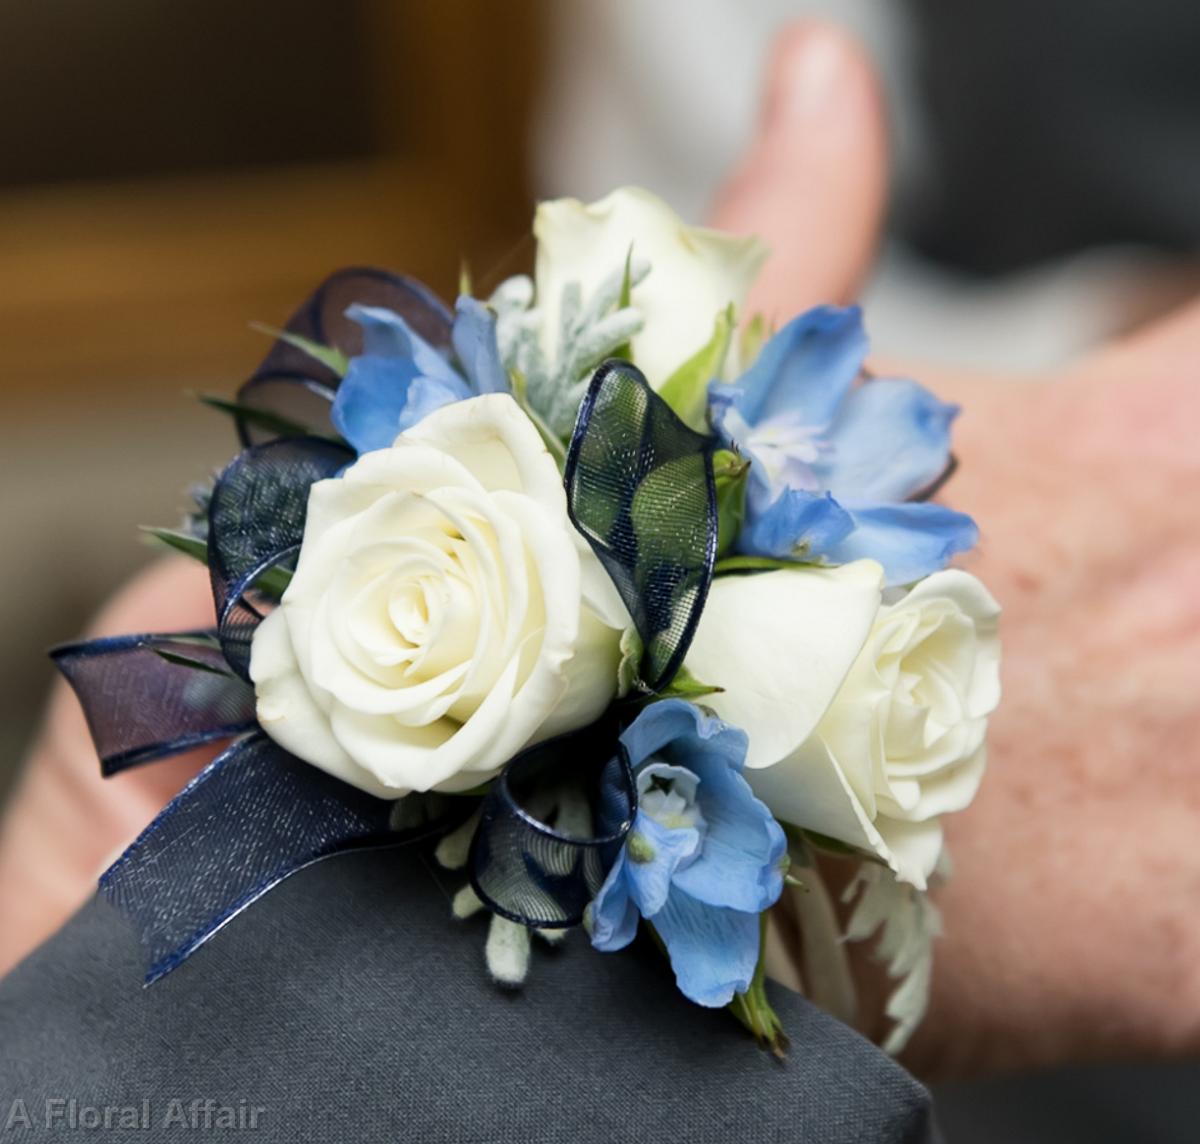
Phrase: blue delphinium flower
(399,378)
(704,857)
(834,463)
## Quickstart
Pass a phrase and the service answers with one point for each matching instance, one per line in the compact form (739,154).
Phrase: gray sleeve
(348,1006)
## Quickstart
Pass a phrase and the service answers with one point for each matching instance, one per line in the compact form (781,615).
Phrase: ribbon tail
(253,817)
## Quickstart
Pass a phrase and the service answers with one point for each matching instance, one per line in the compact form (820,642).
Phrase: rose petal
(780,644)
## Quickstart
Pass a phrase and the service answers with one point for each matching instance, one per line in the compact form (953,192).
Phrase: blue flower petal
(795,523)
(805,370)
(427,394)
(891,439)
(370,400)
(713,951)
(653,854)
(675,729)
(387,335)
(909,540)
(614,917)
(381,397)
(741,865)
(474,340)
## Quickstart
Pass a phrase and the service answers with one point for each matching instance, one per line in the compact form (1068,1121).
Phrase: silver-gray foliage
(588,333)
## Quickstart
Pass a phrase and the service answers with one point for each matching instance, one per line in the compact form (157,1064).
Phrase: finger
(813,183)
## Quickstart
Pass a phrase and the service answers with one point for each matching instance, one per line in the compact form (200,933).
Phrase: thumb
(813,184)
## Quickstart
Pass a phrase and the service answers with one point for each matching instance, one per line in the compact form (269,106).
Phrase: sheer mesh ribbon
(141,706)
(256,522)
(640,489)
(534,859)
(294,385)
(254,816)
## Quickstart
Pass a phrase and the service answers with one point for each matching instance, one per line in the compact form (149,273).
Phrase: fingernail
(810,73)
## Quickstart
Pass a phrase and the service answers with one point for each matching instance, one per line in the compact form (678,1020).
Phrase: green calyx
(753,1008)
(731,473)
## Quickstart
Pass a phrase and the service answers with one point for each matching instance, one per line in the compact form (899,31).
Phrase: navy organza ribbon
(524,866)
(251,818)
(141,706)
(255,523)
(639,487)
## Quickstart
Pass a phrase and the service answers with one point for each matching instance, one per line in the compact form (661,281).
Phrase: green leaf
(190,639)
(181,660)
(328,356)
(625,350)
(686,686)
(264,418)
(730,475)
(552,441)
(686,390)
(632,650)
(191,546)
(273,582)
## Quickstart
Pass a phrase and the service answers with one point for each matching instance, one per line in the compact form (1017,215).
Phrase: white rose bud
(779,644)
(903,741)
(444,612)
(695,272)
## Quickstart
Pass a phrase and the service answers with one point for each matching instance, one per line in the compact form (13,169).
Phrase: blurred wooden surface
(123,283)
(123,286)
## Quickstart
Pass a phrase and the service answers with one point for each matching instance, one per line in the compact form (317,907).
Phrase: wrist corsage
(633,609)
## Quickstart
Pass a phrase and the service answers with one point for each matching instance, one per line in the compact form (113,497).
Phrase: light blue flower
(704,857)
(399,378)
(835,463)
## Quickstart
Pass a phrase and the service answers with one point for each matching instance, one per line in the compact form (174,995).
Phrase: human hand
(1071,931)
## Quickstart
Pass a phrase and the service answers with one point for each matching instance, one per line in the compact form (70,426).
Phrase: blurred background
(171,173)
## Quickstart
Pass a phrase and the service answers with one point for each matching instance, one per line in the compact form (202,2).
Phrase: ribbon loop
(256,521)
(640,488)
(149,696)
(551,827)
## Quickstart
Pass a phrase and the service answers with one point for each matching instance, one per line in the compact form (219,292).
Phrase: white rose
(780,644)
(695,272)
(903,741)
(444,612)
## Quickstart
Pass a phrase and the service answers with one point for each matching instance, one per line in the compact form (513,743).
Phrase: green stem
(751,564)
(551,439)
(753,1009)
